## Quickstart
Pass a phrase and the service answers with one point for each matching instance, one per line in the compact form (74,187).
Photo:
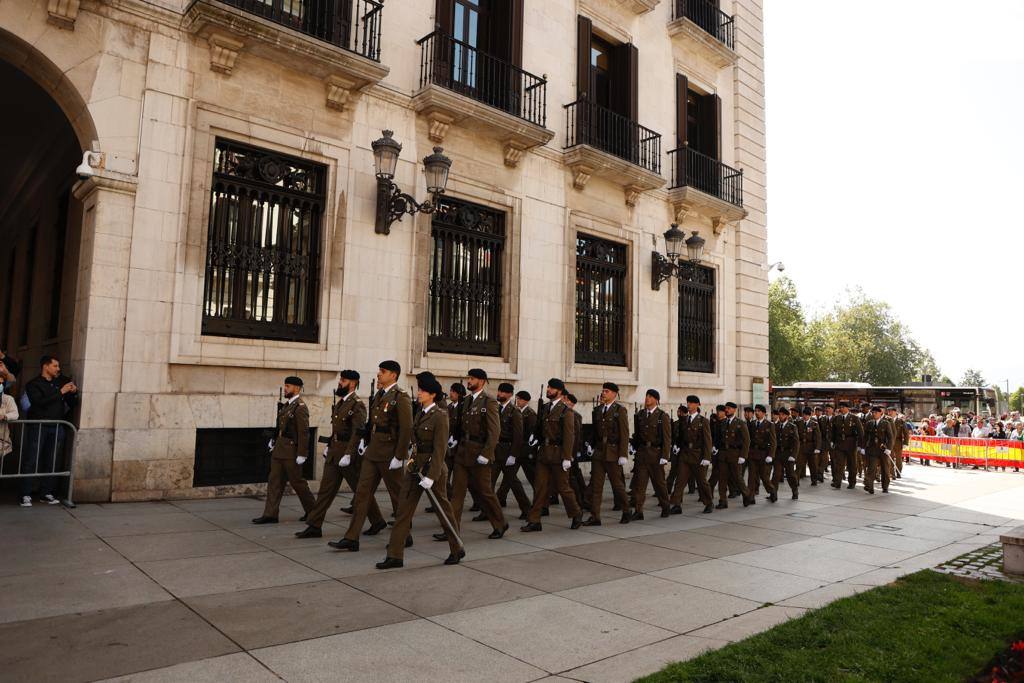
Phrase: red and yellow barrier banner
(984,452)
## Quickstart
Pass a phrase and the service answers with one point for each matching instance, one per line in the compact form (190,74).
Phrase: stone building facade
(579,130)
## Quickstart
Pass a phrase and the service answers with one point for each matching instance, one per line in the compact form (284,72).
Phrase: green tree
(1017,400)
(972,378)
(788,359)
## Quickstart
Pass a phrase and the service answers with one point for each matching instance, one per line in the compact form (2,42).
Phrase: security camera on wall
(84,169)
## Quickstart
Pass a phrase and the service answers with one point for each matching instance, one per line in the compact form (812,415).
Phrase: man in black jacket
(51,396)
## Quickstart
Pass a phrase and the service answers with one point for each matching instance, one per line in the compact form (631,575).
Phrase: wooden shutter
(584,32)
(624,76)
(444,15)
(516,37)
(682,88)
(711,126)
(505,31)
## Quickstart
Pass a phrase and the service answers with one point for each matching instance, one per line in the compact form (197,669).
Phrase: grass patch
(924,627)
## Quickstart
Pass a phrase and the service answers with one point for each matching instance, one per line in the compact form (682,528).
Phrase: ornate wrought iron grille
(263,245)
(464,313)
(600,301)
(697,320)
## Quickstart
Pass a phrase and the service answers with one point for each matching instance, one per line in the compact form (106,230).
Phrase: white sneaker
(50,500)
(26,502)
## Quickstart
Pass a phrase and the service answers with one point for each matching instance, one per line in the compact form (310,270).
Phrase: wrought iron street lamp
(392,203)
(672,263)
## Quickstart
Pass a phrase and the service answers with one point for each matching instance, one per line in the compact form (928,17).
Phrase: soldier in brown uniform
(677,439)
(652,439)
(576,481)
(509,449)
(825,427)
(735,440)
(810,446)
(611,446)
(348,417)
(479,430)
(899,440)
(788,438)
(526,456)
(424,469)
(390,431)
(555,458)
(288,450)
(878,443)
(847,437)
(694,457)
(762,454)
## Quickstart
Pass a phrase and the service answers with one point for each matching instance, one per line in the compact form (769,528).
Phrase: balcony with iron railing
(704,185)
(335,40)
(704,26)
(599,141)
(461,84)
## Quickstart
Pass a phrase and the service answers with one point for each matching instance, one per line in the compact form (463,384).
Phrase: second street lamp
(664,267)
(392,203)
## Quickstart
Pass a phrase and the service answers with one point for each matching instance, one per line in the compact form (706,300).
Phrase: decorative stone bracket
(223,53)
(641,6)
(687,200)
(339,91)
(585,161)
(62,13)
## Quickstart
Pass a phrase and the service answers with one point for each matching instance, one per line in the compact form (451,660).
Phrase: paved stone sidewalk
(192,591)
(983,564)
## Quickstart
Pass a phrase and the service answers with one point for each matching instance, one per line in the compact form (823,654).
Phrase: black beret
(693,399)
(783,411)
(556,383)
(876,409)
(350,374)
(506,387)
(425,375)
(611,386)
(748,409)
(654,393)
(760,407)
(293,380)
(571,398)
(430,385)
(525,395)
(477,373)
(391,366)
(808,411)
(458,388)
(817,408)
(719,408)
(844,404)
(893,408)
(730,404)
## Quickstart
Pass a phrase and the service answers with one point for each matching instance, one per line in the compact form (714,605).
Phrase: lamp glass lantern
(386,151)
(695,247)
(673,242)
(435,168)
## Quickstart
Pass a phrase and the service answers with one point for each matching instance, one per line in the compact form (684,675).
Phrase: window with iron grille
(464,314)
(600,301)
(697,320)
(263,245)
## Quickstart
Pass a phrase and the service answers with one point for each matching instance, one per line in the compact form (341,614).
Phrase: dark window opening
(238,456)
(464,308)
(263,245)
(601,309)
(697,320)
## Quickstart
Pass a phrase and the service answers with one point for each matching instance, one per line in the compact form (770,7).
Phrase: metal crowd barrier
(970,452)
(63,453)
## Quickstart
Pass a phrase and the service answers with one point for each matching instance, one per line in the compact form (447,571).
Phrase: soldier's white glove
(590,450)
(742,460)
(270,444)
(888,452)
(675,450)
(714,450)
(632,450)
(533,440)
(768,460)
(300,460)
(362,447)
(396,464)
(451,442)
(481,460)
(511,461)
(345,461)
(791,459)
(325,452)
(426,482)
(662,461)
(566,464)
(705,462)
(817,451)
(622,462)
(862,451)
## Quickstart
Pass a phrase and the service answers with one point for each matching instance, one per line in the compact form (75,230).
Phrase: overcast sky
(896,163)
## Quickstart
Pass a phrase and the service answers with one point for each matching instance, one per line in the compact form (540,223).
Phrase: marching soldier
(762,454)
(694,458)
(341,455)
(878,444)
(555,427)
(576,480)
(652,439)
(527,454)
(788,449)
(390,425)
(479,431)
(424,470)
(865,415)
(847,436)
(611,446)
(678,426)
(735,446)
(288,451)
(825,427)
(509,450)
(899,440)
(810,446)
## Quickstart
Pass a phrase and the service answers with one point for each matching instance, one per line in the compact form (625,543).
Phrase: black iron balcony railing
(690,168)
(711,19)
(353,25)
(591,124)
(462,68)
